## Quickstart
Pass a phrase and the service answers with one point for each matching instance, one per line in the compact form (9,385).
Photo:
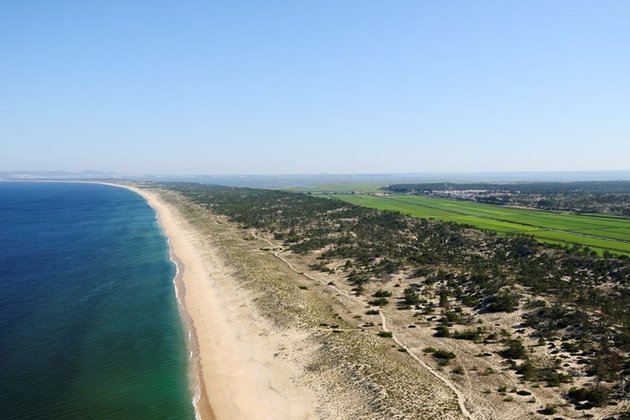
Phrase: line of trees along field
(571,292)
(603,234)
(519,187)
(608,197)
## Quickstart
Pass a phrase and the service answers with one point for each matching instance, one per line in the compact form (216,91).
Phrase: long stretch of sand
(232,364)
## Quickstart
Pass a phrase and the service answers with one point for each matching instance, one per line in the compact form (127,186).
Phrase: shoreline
(271,338)
(233,361)
(196,383)
(268,341)
(232,348)
(201,405)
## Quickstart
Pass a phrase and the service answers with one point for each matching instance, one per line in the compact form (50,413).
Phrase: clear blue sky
(227,87)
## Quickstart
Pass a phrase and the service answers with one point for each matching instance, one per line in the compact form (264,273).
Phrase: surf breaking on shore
(199,400)
(202,408)
(260,341)
(229,375)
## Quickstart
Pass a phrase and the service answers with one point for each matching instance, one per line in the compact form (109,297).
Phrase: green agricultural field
(600,233)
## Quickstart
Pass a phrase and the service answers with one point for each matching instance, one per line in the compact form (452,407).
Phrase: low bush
(549,410)
(442,331)
(515,350)
(443,354)
(469,334)
(380,293)
(381,301)
(598,397)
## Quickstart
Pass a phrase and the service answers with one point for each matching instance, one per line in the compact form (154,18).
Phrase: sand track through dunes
(461,399)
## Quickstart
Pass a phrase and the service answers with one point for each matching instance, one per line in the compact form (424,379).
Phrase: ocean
(89,321)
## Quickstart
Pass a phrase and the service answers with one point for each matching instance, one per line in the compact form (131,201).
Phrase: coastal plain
(270,343)
(277,334)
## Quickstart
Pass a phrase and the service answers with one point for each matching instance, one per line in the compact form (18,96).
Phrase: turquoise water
(89,324)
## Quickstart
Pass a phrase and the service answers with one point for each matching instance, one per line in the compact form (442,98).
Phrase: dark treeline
(611,197)
(524,187)
(570,292)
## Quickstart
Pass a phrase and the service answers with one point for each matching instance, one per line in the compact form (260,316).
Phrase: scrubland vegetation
(572,307)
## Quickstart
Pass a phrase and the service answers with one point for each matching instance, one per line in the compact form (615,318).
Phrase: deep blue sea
(89,323)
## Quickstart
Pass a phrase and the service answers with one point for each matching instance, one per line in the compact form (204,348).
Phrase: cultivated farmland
(600,233)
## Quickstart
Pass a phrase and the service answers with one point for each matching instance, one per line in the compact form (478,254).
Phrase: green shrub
(381,301)
(503,301)
(469,334)
(598,397)
(443,354)
(536,303)
(549,410)
(450,317)
(528,370)
(410,296)
(515,350)
(442,331)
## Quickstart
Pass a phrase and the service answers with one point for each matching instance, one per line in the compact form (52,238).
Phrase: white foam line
(193,370)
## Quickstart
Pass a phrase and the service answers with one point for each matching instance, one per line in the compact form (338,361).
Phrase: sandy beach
(232,363)
(269,341)
(272,338)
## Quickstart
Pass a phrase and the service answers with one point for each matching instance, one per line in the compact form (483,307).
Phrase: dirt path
(461,399)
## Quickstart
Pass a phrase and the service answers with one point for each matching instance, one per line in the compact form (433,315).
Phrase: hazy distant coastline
(307,180)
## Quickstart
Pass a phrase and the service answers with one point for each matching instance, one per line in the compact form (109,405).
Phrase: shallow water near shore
(89,323)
